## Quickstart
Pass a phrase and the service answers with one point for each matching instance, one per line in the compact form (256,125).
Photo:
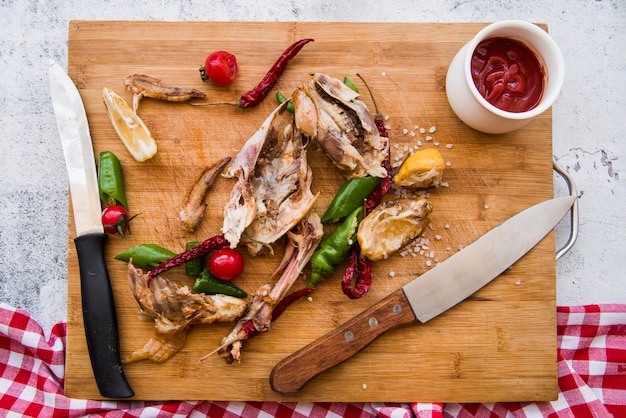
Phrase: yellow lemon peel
(133,132)
(421,170)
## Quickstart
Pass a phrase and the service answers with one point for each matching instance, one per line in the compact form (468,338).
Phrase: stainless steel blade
(464,273)
(79,158)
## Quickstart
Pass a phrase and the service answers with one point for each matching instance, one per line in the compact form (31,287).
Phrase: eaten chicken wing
(273,190)
(145,86)
(174,311)
(259,315)
(194,205)
(330,113)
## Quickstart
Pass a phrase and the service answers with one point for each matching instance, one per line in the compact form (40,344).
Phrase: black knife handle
(99,317)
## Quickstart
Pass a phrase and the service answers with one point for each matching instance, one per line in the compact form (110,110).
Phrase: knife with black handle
(99,314)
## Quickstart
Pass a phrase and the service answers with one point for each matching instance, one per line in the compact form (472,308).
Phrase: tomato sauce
(508,74)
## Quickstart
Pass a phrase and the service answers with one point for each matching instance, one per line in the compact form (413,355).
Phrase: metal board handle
(573,233)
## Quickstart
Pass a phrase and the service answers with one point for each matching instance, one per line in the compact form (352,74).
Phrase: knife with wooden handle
(99,315)
(429,295)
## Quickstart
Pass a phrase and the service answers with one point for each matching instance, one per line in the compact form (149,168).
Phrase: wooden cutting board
(499,345)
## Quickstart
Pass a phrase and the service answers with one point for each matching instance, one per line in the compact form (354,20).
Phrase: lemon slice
(392,225)
(421,170)
(129,126)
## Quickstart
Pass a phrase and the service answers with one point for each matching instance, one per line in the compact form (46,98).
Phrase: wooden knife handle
(100,318)
(291,373)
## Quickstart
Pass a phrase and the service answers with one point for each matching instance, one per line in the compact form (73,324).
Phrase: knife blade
(98,305)
(427,296)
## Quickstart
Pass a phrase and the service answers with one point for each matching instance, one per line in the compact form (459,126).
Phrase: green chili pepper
(111,180)
(282,99)
(334,248)
(194,267)
(350,196)
(208,284)
(350,84)
(146,256)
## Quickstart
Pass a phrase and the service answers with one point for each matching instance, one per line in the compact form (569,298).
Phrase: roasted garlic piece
(392,225)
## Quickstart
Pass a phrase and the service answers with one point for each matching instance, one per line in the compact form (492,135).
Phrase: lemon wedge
(392,225)
(421,170)
(129,127)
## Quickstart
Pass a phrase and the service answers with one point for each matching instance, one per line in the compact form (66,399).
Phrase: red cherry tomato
(226,264)
(220,67)
(116,220)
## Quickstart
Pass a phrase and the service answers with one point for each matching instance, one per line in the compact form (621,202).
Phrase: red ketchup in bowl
(508,74)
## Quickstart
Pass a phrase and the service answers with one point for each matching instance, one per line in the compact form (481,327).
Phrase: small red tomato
(116,220)
(220,67)
(226,264)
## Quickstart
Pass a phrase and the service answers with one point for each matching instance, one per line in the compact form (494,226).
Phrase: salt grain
(422,130)
(429,138)
(310,298)
(429,263)
(432,129)
(448,146)
(412,134)
(383,74)
(518,282)
(392,274)
(448,163)
(405,131)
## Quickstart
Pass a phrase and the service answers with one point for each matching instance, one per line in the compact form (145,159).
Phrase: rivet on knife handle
(99,318)
(293,372)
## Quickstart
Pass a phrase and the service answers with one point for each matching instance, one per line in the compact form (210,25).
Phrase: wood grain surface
(499,345)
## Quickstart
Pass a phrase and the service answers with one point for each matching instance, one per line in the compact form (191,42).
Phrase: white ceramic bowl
(472,108)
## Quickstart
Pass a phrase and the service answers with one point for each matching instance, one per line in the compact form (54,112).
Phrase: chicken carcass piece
(258,317)
(329,112)
(273,189)
(193,207)
(174,311)
(142,85)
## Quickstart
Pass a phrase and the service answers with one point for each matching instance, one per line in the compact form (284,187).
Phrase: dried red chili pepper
(248,327)
(257,94)
(383,187)
(288,300)
(360,272)
(205,247)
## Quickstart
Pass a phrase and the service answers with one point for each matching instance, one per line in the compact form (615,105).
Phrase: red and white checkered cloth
(592,379)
